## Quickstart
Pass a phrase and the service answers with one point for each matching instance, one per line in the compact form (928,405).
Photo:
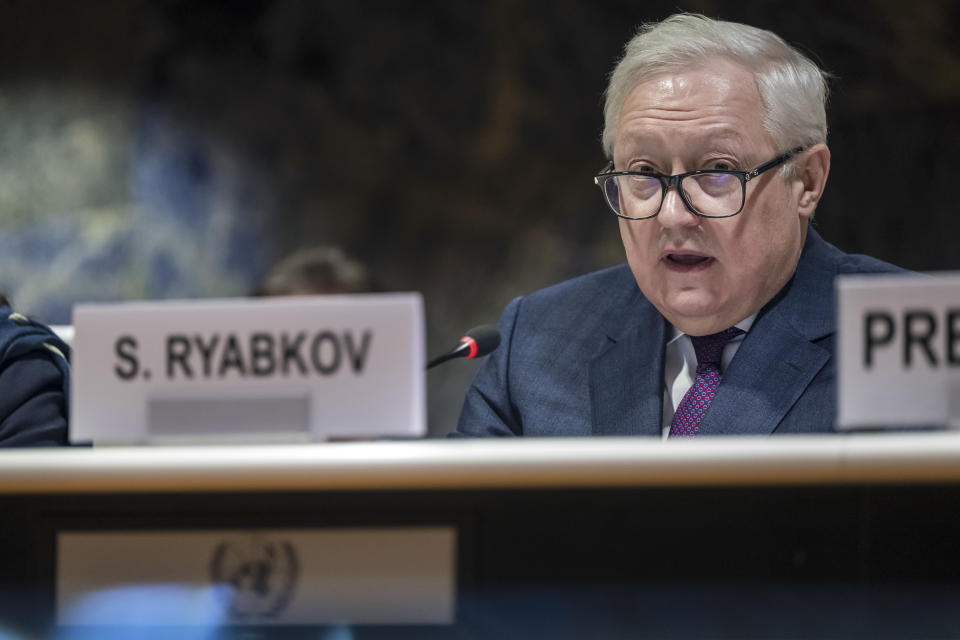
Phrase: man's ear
(810,178)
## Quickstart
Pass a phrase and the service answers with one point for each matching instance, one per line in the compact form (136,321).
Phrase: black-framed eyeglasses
(710,194)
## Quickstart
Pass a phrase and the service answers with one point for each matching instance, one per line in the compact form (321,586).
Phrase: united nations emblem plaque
(259,575)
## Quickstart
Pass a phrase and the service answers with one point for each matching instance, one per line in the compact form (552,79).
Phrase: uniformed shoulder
(35,375)
(14,320)
(19,334)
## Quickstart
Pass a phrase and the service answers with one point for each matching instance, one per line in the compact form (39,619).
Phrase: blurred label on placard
(370,575)
(899,351)
(297,368)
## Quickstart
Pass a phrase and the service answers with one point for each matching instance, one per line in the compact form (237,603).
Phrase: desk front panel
(805,561)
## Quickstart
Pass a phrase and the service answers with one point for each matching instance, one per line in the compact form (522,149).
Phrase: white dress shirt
(680,367)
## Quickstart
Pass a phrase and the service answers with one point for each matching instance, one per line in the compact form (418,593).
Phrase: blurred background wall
(179,148)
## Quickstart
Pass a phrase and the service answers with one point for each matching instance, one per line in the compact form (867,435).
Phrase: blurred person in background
(313,271)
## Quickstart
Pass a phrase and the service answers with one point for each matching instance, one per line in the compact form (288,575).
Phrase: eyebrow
(720,137)
(728,134)
(729,142)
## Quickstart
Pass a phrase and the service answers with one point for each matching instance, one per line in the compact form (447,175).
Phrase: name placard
(899,351)
(283,369)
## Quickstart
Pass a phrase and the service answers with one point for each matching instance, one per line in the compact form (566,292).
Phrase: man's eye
(643,168)
(721,166)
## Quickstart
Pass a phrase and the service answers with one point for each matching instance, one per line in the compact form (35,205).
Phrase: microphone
(476,343)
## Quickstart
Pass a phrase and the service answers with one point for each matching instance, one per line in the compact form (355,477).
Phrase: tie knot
(709,348)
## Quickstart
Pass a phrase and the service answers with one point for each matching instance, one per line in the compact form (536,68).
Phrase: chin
(697,319)
(693,305)
(699,326)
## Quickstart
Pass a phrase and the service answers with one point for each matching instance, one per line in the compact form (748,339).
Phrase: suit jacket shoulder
(542,380)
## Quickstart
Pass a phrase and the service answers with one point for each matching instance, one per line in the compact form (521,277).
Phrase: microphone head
(481,340)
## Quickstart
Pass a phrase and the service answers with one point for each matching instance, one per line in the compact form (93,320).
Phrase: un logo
(260,575)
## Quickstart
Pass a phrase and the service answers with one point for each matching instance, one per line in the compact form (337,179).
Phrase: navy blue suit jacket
(585,357)
(34,383)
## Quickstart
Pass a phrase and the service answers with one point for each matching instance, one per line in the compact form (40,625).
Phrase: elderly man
(723,320)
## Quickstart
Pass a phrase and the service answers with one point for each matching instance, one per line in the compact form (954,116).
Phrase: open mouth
(687,261)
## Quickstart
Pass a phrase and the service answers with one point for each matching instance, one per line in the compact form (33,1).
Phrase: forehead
(716,102)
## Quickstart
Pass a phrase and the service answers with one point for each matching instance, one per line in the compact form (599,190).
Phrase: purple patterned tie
(694,405)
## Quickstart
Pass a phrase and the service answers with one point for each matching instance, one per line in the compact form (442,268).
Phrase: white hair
(793,89)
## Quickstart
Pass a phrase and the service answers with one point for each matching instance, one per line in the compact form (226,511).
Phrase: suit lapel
(772,368)
(626,378)
(779,357)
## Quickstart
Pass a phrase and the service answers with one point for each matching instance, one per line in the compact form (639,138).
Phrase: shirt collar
(744,325)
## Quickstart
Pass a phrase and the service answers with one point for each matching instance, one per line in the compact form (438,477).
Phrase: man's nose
(673,211)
